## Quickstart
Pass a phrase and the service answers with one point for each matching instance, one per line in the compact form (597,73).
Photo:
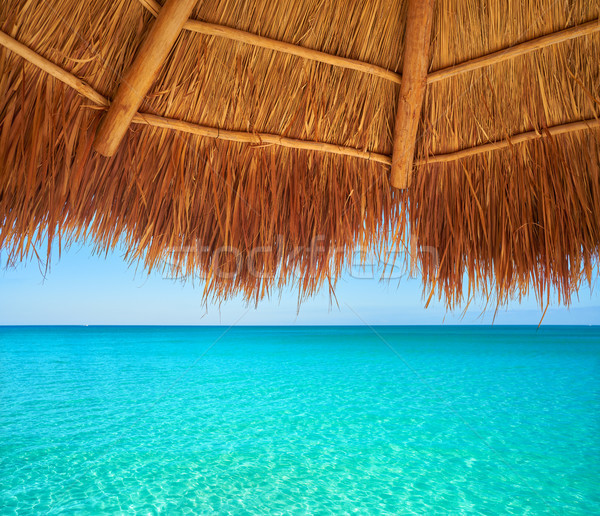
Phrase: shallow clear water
(501,420)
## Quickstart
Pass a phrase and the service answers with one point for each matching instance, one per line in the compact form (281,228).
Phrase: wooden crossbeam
(179,125)
(142,73)
(102,102)
(52,69)
(417,37)
(515,51)
(222,31)
(515,139)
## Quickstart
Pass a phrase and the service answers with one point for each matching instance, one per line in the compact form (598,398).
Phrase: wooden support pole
(419,20)
(142,73)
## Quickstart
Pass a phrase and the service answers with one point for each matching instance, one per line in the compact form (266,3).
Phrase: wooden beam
(222,31)
(516,51)
(142,73)
(417,37)
(273,139)
(554,130)
(52,69)
(261,139)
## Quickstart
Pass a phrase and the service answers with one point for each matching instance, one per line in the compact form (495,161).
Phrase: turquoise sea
(300,420)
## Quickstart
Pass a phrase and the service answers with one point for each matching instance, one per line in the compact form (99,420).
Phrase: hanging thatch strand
(180,201)
(523,217)
(419,19)
(243,168)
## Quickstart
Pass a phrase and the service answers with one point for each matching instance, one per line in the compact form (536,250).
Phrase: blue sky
(83,288)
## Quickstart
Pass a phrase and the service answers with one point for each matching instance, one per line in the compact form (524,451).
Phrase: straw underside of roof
(527,216)
(167,195)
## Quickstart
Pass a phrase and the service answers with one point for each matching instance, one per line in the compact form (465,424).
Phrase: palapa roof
(263,146)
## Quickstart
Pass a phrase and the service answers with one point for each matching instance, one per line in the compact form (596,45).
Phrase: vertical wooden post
(142,73)
(417,39)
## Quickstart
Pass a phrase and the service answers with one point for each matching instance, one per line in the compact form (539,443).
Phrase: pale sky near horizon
(83,288)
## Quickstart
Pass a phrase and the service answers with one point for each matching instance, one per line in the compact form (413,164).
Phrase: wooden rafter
(515,139)
(52,69)
(515,51)
(222,31)
(273,139)
(213,29)
(419,20)
(142,73)
(179,125)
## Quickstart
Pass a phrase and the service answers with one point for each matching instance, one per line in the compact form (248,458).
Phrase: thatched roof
(270,130)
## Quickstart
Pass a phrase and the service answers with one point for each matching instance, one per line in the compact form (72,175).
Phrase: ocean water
(301,420)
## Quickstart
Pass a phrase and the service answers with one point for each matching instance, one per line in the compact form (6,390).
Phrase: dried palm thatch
(262,152)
